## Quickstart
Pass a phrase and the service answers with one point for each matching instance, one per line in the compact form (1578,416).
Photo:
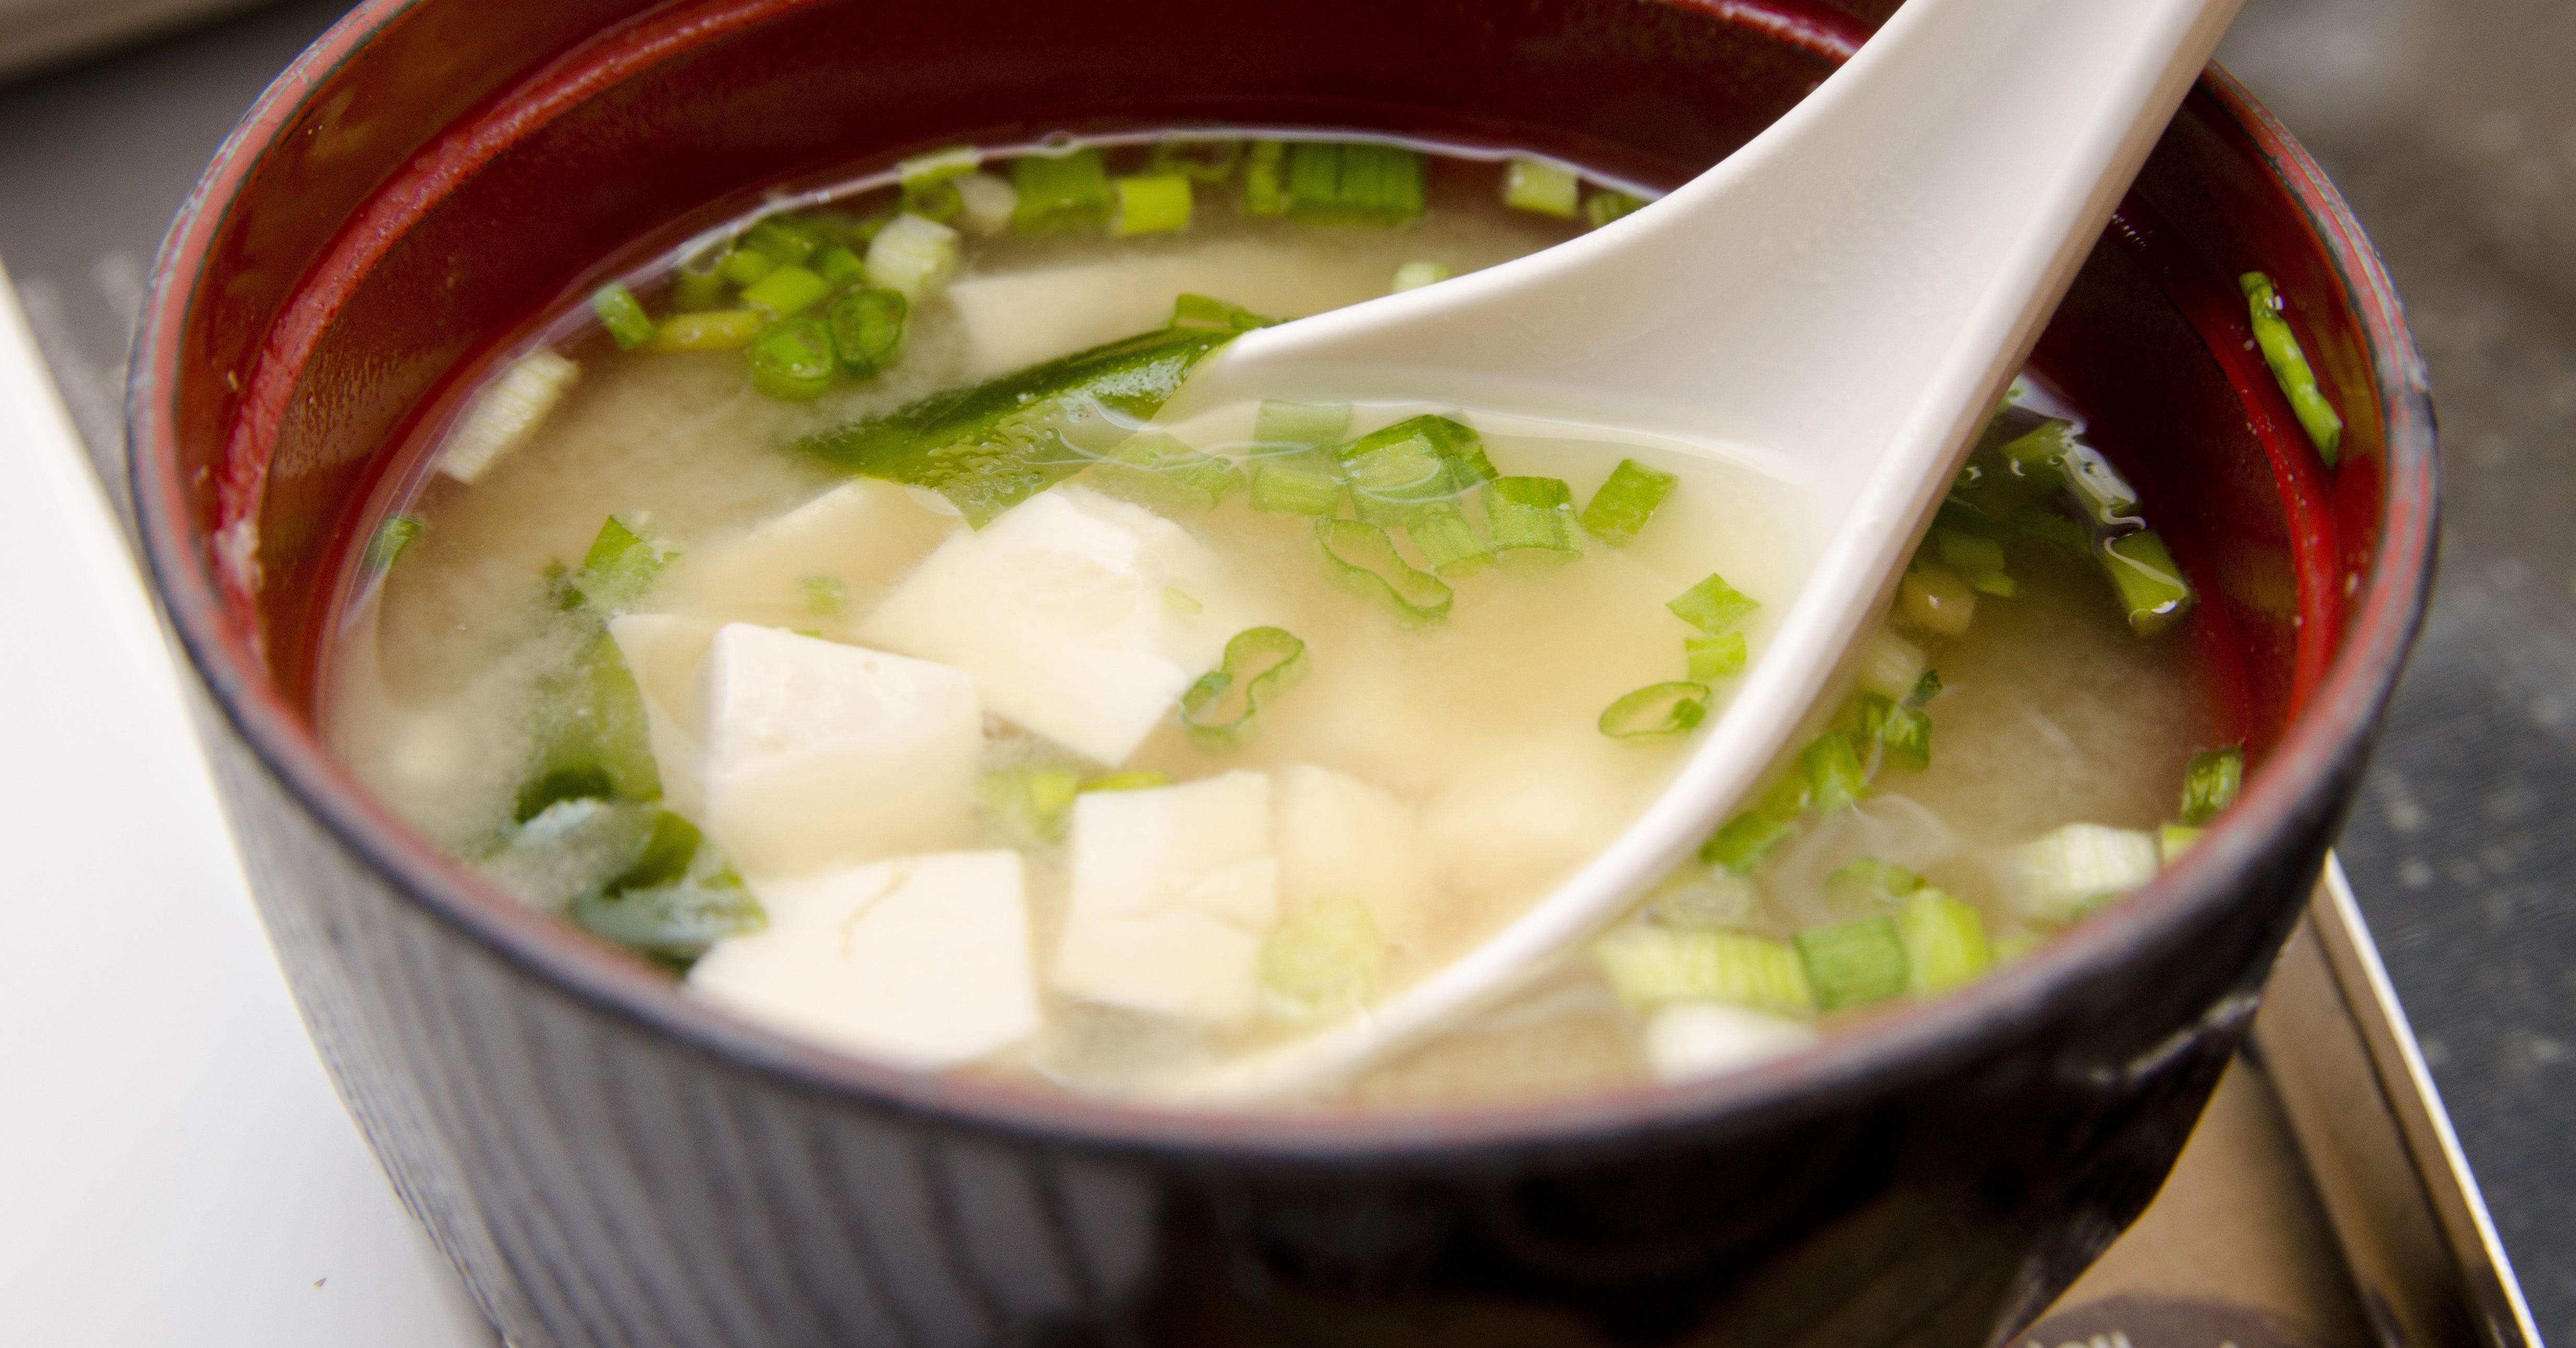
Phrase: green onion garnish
(2037,457)
(1607,204)
(1945,942)
(825,596)
(1532,513)
(390,538)
(839,267)
(1740,845)
(1260,664)
(1979,559)
(786,291)
(2152,589)
(2056,530)
(1854,963)
(1890,666)
(2172,840)
(1416,274)
(867,328)
(1321,959)
(938,165)
(1626,501)
(1875,880)
(912,255)
(710,330)
(1265,179)
(1283,489)
(2210,784)
(1656,711)
(1394,470)
(1934,598)
(2065,874)
(1354,184)
(1141,779)
(1902,732)
(785,240)
(1278,425)
(699,283)
(1164,472)
(2290,368)
(1833,768)
(744,266)
(1925,689)
(1546,189)
(621,315)
(1647,965)
(1206,161)
(1788,798)
(939,202)
(1152,204)
(793,359)
(1447,539)
(1027,804)
(1066,191)
(1712,658)
(1359,557)
(1712,606)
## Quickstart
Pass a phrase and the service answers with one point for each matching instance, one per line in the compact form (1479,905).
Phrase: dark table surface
(2452,126)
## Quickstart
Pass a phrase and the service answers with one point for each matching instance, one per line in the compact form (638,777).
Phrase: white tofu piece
(1017,319)
(985,203)
(663,651)
(819,754)
(923,961)
(1173,891)
(1690,1040)
(859,535)
(1338,835)
(1518,826)
(1060,611)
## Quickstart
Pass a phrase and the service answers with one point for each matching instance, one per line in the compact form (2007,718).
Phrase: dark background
(2451,124)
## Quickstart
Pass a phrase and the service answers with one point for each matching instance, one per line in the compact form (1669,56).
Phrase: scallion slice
(1447,538)
(1833,768)
(1873,880)
(390,538)
(867,328)
(2063,875)
(912,255)
(1540,187)
(1416,274)
(1979,559)
(1265,179)
(1945,942)
(621,315)
(1649,965)
(1626,501)
(1359,557)
(1712,606)
(1854,963)
(2047,526)
(1891,666)
(839,267)
(2210,784)
(1353,184)
(2038,455)
(1607,204)
(1903,734)
(710,330)
(1027,805)
(2290,368)
(1393,471)
(1152,204)
(785,240)
(939,202)
(745,265)
(2152,589)
(1285,489)
(1278,425)
(938,165)
(1713,658)
(1531,514)
(1934,598)
(1742,842)
(1656,711)
(793,359)
(1206,161)
(1065,191)
(1321,959)
(985,203)
(786,291)
(699,283)
(1221,709)
(506,413)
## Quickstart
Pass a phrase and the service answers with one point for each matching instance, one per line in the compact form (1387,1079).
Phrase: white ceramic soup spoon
(1855,289)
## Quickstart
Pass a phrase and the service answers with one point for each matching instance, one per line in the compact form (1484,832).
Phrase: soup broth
(1055,743)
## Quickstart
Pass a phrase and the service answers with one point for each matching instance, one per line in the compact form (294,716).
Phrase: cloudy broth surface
(949,771)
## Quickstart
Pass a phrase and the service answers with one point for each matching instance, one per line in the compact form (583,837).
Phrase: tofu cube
(922,961)
(1338,835)
(1174,890)
(849,543)
(1061,611)
(819,754)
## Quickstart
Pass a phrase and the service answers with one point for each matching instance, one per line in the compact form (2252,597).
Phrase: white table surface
(174,1169)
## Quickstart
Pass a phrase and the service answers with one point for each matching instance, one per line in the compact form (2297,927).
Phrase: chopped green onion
(710,330)
(1141,779)
(1392,471)
(619,570)
(839,267)
(1648,965)
(1359,557)
(390,538)
(938,202)
(786,292)
(744,266)
(2290,368)
(1981,560)
(2210,784)
(1741,844)
(1656,711)
(1891,666)
(2172,840)
(2039,455)
(2061,876)
(985,203)
(1788,798)
(785,240)
(1152,204)
(1607,204)
(1162,471)
(1416,274)
(1877,881)
(1206,161)
(504,415)
(621,315)
(1626,501)
(912,255)
(1283,489)
(1265,179)
(825,596)
(1532,513)
(2056,530)
(1321,959)
(1933,598)
(1447,539)
(1277,424)
(1901,731)
(1712,606)
(1353,184)
(1546,189)
(2152,589)
(1260,664)
(699,282)
(1925,689)
(1945,943)
(2100,492)
(1833,768)
(1028,804)
(793,359)
(1696,896)
(1854,963)
(1060,191)
(867,328)
(1712,658)
(938,165)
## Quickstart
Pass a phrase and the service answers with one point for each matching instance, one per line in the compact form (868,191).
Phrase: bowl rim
(2295,785)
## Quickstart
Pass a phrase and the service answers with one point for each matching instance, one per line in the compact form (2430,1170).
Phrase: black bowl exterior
(611,1163)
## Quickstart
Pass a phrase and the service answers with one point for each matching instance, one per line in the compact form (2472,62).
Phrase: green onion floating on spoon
(1656,711)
